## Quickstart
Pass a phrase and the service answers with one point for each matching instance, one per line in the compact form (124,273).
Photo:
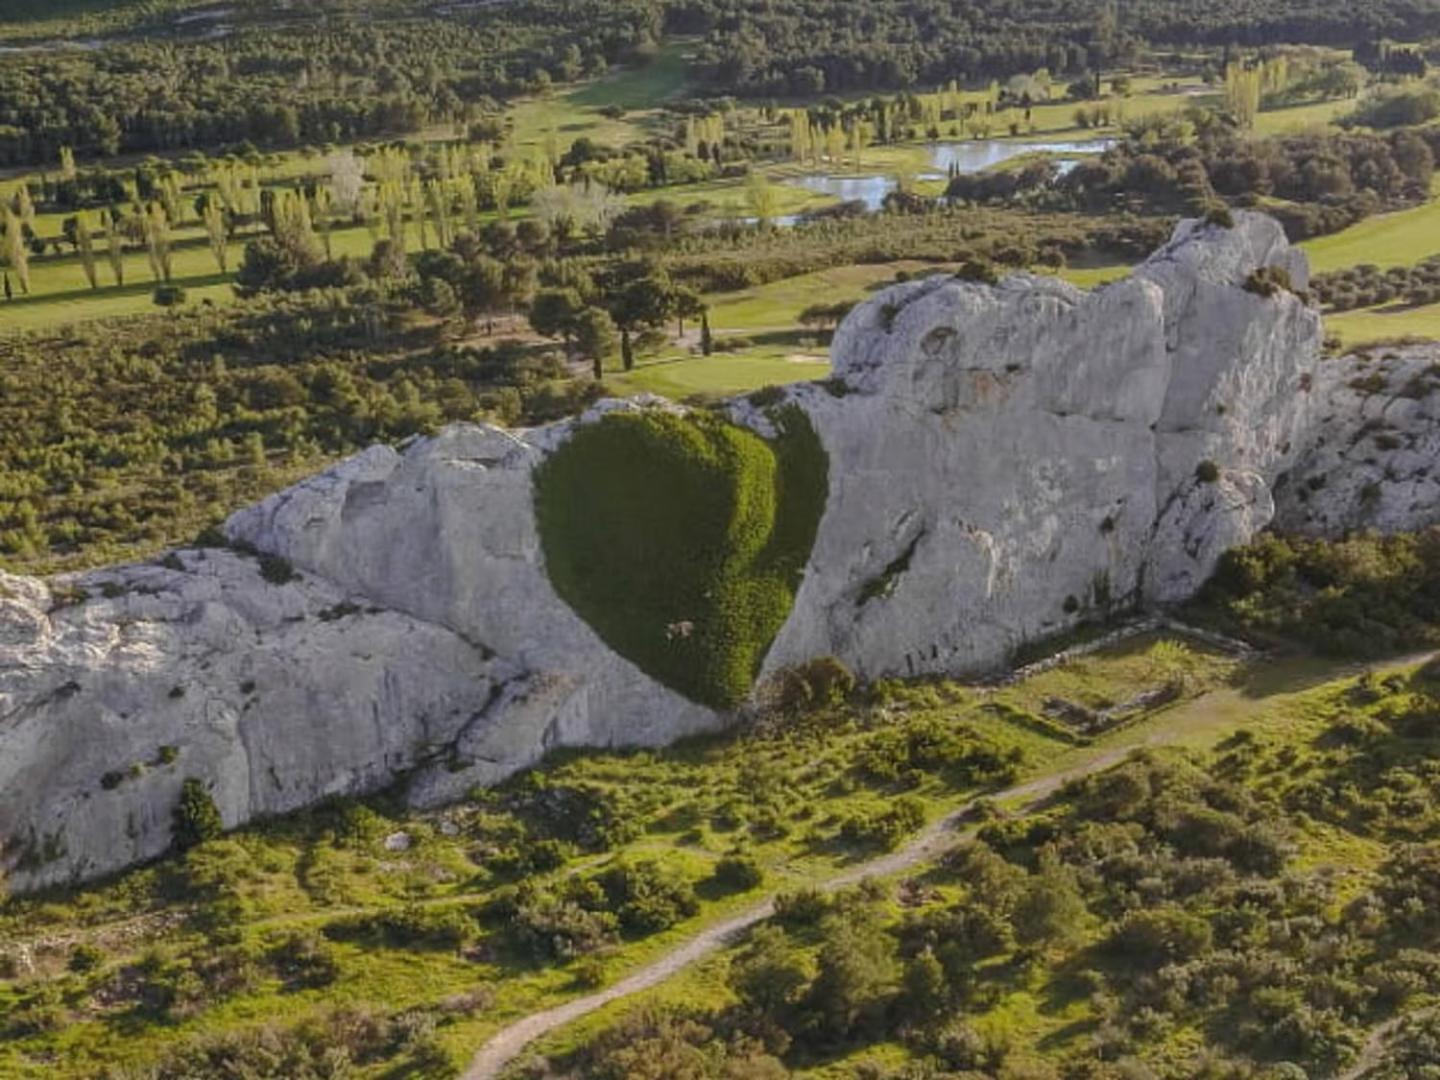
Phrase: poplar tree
(16,253)
(157,240)
(115,247)
(85,245)
(217,232)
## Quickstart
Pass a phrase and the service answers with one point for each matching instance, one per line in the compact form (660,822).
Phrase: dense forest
(352,74)
(805,47)
(313,82)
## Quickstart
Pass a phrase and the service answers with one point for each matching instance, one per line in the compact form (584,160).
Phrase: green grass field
(1400,239)
(1393,323)
(572,112)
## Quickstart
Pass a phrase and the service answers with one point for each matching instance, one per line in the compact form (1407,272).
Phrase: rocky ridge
(1004,461)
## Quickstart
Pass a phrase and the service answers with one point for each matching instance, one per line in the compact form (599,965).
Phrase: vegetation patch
(1366,596)
(694,585)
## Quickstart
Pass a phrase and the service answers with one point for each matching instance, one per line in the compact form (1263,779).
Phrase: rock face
(1003,461)
(1372,456)
(1010,459)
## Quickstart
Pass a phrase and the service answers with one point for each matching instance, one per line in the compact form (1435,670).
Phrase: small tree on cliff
(197,818)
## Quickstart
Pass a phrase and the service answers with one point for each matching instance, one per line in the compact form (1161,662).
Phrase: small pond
(966,157)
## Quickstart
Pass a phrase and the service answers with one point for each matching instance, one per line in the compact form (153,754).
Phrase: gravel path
(936,839)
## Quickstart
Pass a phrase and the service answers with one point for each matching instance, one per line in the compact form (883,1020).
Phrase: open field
(1400,239)
(1396,322)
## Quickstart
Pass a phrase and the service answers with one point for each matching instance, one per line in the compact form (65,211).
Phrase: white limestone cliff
(1003,461)
(1007,460)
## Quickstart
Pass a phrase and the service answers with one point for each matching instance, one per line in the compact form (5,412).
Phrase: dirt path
(1220,710)
(936,839)
(1374,1049)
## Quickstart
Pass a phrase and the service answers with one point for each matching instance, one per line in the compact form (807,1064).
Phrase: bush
(886,827)
(85,958)
(197,818)
(647,896)
(819,683)
(277,570)
(1269,281)
(739,873)
(408,927)
(304,959)
(692,584)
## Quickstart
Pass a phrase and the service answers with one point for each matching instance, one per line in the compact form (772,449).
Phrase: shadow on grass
(110,292)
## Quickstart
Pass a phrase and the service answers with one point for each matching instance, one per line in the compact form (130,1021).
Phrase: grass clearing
(1400,239)
(576,111)
(1393,323)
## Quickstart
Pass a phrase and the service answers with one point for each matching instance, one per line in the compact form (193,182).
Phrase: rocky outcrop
(1372,452)
(419,641)
(1007,460)
(1003,462)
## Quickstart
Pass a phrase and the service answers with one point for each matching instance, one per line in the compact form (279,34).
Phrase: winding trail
(1219,711)
(1373,1052)
(931,843)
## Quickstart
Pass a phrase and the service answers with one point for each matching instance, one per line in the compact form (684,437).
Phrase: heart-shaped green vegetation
(681,540)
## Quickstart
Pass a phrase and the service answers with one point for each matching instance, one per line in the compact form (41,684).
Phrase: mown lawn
(1400,239)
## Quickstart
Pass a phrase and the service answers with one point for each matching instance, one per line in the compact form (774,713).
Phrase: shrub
(546,926)
(885,827)
(739,873)
(681,540)
(408,927)
(818,683)
(1269,281)
(197,818)
(277,570)
(85,958)
(304,959)
(647,896)
(1220,216)
(1207,472)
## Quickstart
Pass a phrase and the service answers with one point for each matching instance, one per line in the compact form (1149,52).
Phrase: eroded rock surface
(1007,460)
(1003,461)
(1372,454)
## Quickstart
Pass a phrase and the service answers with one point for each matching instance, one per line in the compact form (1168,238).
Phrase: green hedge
(681,540)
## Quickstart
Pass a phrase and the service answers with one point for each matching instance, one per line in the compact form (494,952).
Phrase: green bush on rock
(681,539)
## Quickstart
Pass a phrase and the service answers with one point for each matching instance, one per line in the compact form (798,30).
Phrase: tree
(115,247)
(596,337)
(854,971)
(553,312)
(1242,93)
(197,818)
(157,240)
(85,245)
(769,976)
(267,264)
(924,989)
(482,291)
(707,343)
(643,302)
(17,255)
(216,232)
(762,197)
(687,305)
(1050,910)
